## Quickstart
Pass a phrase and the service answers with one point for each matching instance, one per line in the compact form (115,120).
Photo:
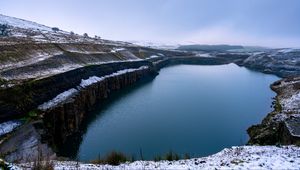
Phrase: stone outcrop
(281,125)
(26,144)
(290,130)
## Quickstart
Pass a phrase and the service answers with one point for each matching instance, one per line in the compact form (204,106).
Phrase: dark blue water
(187,109)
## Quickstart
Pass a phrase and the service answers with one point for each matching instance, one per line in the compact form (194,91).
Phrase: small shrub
(115,158)
(157,158)
(72,33)
(85,35)
(97,37)
(4,165)
(2,82)
(32,114)
(4,30)
(170,156)
(141,154)
(55,29)
(277,106)
(41,163)
(132,158)
(186,156)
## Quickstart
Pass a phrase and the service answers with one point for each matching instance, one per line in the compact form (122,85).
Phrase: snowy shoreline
(242,157)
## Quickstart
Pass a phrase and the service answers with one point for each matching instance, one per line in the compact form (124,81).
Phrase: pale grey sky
(274,23)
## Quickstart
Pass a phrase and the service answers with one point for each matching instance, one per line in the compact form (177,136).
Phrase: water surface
(187,109)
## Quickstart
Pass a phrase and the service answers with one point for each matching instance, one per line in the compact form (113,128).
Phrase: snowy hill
(30,50)
(24,24)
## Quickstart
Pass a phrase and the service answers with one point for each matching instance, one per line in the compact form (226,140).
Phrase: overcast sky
(274,23)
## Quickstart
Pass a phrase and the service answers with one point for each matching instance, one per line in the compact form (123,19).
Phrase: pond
(192,109)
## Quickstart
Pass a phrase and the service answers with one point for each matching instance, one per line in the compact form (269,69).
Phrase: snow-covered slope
(20,23)
(32,51)
(243,157)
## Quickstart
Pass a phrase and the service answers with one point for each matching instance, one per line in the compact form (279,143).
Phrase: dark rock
(26,145)
(20,99)
(66,119)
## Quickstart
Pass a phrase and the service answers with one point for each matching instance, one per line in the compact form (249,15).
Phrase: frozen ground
(16,22)
(244,157)
(58,99)
(292,103)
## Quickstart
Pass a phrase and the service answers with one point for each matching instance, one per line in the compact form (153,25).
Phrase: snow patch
(58,99)
(7,127)
(33,58)
(286,50)
(42,73)
(20,23)
(279,117)
(90,81)
(114,50)
(203,55)
(10,166)
(292,103)
(154,56)
(95,79)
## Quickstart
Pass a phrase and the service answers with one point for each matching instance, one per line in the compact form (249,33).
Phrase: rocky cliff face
(65,119)
(20,99)
(62,116)
(26,144)
(281,125)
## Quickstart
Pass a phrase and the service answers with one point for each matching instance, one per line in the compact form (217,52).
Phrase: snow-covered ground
(114,50)
(243,157)
(16,22)
(34,58)
(288,50)
(7,127)
(292,103)
(95,79)
(203,55)
(58,99)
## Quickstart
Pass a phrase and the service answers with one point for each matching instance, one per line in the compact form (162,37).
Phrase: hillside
(34,51)
(209,47)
